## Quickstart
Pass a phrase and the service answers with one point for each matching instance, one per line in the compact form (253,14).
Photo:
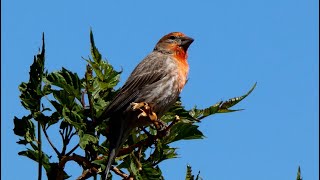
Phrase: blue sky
(237,43)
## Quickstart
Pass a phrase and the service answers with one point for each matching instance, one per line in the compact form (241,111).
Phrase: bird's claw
(136,106)
(146,111)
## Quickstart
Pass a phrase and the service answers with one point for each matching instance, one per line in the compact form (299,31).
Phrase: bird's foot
(146,111)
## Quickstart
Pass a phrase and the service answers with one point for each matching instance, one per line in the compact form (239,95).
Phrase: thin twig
(40,152)
(85,163)
(72,150)
(64,147)
(121,173)
(149,140)
(77,158)
(51,144)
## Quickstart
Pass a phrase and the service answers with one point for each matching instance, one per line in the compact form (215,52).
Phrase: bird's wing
(149,71)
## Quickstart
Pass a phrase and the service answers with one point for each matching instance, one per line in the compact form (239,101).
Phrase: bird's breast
(182,71)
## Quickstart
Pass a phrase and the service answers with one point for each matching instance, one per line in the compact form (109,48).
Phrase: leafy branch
(66,94)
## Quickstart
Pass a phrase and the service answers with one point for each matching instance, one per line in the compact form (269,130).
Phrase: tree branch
(121,173)
(51,144)
(149,140)
(72,150)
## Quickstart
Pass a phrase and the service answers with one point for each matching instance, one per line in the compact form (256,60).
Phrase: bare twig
(121,173)
(77,158)
(51,144)
(72,150)
(177,118)
(40,152)
(64,148)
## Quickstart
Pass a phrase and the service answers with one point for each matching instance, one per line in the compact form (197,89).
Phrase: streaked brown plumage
(157,80)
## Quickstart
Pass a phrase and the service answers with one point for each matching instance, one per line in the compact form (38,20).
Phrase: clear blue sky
(237,43)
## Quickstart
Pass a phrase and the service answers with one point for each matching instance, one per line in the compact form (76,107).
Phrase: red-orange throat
(181,58)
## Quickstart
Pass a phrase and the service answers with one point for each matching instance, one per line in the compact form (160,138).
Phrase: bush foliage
(75,104)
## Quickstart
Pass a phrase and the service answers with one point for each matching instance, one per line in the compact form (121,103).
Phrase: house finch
(157,80)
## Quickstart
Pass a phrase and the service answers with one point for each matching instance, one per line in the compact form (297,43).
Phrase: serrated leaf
(224,107)
(133,168)
(161,153)
(220,107)
(29,97)
(150,172)
(185,131)
(94,51)
(66,80)
(73,118)
(189,175)
(34,155)
(299,174)
(54,118)
(87,139)
(63,97)
(178,109)
(52,169)
(31,91)
(100,106)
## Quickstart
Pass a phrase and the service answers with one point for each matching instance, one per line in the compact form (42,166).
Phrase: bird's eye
(172,37)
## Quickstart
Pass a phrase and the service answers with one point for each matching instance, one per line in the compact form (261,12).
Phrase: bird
(157,81)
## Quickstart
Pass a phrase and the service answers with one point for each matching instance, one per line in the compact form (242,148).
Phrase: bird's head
(174,42)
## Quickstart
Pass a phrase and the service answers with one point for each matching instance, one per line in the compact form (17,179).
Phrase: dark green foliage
(299,174)
(59,98)
(190,176)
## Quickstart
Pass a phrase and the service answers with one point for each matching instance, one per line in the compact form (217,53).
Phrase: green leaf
(66,80)
(150,172)
(46,89)
(220,107)
(299,174)
(161,153)
(64,98)
(101,162)
(224,107)
(34,155)
(133,168)
(56,105)
(87,139)
(141,170)
(73,118)
(107,77)
(178,109)
(130,164)
(31,91)
(190,176)
(54,118)
(100,106)
(52,169)
(94,51)
(184,131)
(24,127)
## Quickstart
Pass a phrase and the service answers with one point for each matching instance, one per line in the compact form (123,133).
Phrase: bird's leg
(138,106)
(146,111)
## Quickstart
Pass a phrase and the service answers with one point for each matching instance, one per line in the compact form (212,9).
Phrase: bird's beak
(185,42)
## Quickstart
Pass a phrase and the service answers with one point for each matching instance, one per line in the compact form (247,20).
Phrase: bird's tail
(111,157)
(116,141)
